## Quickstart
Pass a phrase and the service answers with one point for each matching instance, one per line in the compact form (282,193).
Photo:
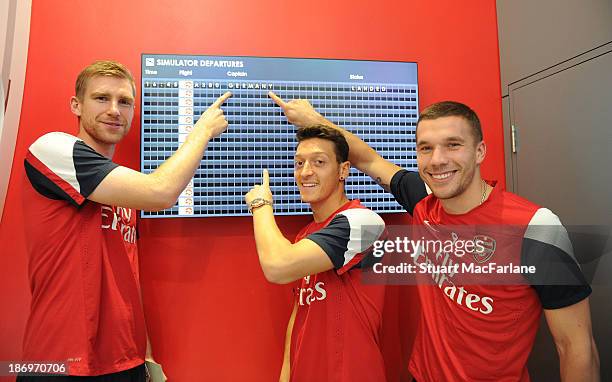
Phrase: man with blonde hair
(80,206)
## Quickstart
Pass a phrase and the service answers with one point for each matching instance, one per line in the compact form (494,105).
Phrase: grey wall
(537,34)
(556,77)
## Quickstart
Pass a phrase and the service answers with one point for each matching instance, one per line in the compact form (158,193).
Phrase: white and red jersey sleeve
(558,279)
(348,236)
(61,166)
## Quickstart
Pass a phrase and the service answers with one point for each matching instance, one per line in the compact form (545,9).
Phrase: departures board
(377,100)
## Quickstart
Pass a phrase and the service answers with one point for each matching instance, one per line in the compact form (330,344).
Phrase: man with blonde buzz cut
(80,208)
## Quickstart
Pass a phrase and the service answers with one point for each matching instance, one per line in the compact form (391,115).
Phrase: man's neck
(322,210)
(473,196)
(101,148)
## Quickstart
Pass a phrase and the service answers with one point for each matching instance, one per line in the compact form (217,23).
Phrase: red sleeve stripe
(61,183)
(354,261)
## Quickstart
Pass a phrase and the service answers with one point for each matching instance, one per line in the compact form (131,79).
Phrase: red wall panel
(211,314)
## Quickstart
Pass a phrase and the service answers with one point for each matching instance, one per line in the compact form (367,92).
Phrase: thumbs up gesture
(260,195)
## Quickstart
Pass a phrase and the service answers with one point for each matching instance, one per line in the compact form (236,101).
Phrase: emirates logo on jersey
(119,219)
(308,294)
(487,247)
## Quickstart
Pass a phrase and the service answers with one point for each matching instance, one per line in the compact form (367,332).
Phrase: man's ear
(481,152)
(75,106)
(345,168)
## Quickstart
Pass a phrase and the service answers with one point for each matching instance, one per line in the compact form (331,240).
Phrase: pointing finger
(221,99)
(266,178)
(277,99)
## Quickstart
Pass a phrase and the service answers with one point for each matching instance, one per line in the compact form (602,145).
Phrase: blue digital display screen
(377,100)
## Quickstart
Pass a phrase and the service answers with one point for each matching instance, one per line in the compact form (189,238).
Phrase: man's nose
(113,108)
(438,156)
(307,169)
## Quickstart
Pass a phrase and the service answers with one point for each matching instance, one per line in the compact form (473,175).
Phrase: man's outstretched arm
(300,113)
(160,189)
(281,261)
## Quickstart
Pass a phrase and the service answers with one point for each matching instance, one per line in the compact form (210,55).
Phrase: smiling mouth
(309,185)
(113,124)
(442,175)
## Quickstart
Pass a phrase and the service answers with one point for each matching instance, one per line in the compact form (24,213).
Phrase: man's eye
(126,102)
(454,145)
(298,164)
(424,149)
(319,162)
(101,98)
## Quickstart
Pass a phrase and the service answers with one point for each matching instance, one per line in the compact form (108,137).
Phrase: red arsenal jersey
(83,264)
(472,331)
(336,330)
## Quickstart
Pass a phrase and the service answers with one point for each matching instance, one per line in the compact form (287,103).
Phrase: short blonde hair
(102,68)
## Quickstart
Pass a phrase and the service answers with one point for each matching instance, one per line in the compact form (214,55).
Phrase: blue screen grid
(259,136)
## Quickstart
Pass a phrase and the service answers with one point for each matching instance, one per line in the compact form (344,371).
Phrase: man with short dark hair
(476,332)
(86,305)
(453,109)
(333,332)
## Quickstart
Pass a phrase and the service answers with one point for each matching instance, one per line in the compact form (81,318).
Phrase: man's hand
(213,119)
(260,191)
(299,112)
